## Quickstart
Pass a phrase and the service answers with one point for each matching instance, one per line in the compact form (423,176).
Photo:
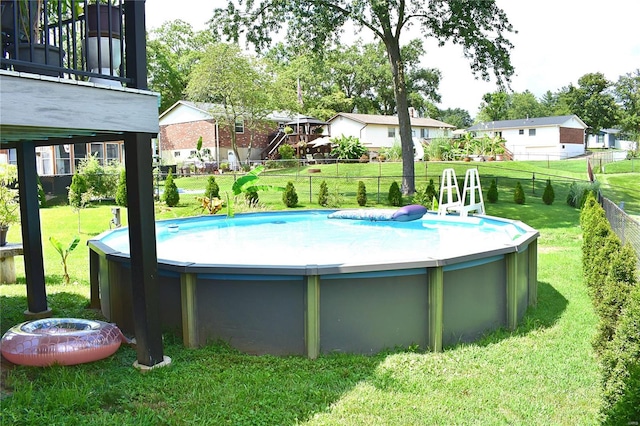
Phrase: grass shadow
(549,309)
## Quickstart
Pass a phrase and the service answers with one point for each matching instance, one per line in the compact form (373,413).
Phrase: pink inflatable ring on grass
(64,341)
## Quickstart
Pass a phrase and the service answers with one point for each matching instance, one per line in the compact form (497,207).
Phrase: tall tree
(172,51)
(494,106)
(480,26)
(627,93)
(524,105)
(238,88)
(592,102)
(457,116)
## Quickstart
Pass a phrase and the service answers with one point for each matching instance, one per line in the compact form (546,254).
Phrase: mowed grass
(544,372)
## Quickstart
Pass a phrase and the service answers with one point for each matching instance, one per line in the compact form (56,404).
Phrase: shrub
(427,197)
(362,194)
(289,196)
(518,194)
(251,196)
(42,197)
(431,191)
(348,148)
(597,274)
(549,195)
(212,190)
(578,192)
(286,152)
(171,196)
(79,193)
(121,191)
(101,180)
(323,195)
(621,367)
(492,194)
(595,229)
(392,153)
(395,195)
(620,281)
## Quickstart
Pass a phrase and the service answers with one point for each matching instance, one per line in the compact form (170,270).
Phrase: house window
(391,132)
(63,159)
(79,153)
(44,162)
(600,137)
(239,126)
(97,151)
(112,152)
(424,133)
(521,132)
(532,132)
(176,153)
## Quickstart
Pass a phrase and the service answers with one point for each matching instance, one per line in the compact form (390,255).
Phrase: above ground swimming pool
(303,283)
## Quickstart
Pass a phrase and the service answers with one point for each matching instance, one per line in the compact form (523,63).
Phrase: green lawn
(544,372)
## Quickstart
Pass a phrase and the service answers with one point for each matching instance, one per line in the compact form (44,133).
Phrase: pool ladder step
(471,191)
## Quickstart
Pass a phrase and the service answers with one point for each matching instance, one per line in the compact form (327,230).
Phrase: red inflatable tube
(64,341)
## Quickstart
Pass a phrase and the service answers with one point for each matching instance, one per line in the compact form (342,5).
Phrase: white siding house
(381,131)
(610,138)
(540,138)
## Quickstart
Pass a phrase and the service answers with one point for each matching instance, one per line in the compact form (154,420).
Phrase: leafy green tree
(591,101)
(237,86)
(348,148)
(480,27)
(524,105)
(172,51)
(494,106)
(171,196)
(457,117)
(627,94)
(79,194)
(121,191)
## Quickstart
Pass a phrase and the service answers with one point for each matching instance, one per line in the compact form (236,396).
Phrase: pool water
(307,238)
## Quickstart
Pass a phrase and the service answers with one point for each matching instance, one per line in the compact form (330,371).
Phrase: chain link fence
(625,226)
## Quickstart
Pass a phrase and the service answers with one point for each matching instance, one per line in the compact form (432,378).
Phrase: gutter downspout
(217,130)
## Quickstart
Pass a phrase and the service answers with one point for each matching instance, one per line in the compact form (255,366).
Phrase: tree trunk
(404,121)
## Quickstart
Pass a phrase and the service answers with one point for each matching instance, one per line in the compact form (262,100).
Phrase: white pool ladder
(472,190)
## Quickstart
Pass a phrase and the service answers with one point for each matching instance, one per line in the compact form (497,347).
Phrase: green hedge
(611,277)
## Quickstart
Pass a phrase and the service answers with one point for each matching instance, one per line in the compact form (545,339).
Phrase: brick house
(540,138)
(182,124)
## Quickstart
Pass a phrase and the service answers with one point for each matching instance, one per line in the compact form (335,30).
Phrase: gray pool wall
(316,310)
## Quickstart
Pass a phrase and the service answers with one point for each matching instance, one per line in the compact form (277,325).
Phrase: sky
(558,41)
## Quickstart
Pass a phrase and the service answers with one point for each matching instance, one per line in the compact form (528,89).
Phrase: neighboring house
(610,138)
(182,124)
(381,131)
(539,138)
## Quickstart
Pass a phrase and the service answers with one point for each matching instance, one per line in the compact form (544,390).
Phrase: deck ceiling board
(13,134)
(37,103)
